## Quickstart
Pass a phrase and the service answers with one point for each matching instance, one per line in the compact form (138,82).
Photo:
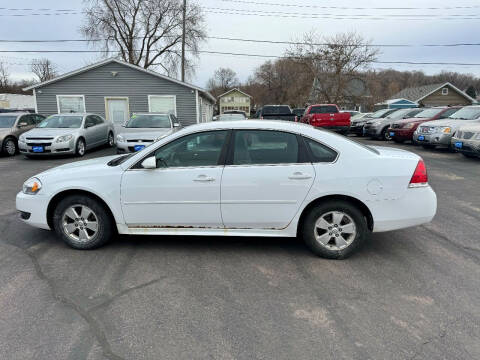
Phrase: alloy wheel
(110,140)
(80,223)
(10,147)
(335,230)
(81,148)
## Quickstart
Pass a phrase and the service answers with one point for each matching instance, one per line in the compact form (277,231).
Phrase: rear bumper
(402,134)
(417,207)
(339,128)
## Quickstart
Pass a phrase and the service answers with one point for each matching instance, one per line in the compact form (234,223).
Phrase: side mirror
(22,124)
(149,163)
(176,125)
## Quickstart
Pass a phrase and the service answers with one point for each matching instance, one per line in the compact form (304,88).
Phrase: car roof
(252,124)
(150,113)
(15,113)
(77,114)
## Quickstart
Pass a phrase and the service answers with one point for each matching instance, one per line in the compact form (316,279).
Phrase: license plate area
(459,144)
(138,147)
(38,149)
(421,138)
(392,133)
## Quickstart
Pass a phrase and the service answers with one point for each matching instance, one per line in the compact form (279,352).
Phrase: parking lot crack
(90,320)
(124,292)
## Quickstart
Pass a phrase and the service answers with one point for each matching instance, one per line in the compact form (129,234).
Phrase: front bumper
(437,138)
(356,129)
(36,206)
(49,147)
(124,147)
(471,147)
(372,130)
(401,134)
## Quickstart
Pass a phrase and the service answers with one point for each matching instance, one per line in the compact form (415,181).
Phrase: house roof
(419,93)
(234,89)
(115,60)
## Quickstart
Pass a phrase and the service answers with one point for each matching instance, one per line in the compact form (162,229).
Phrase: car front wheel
(110,140)
(335,229)
(385,135)
(82,222)
(9,147)
(80,148)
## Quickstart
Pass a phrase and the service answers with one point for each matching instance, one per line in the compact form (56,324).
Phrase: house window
(165,104)
(70,104)
(445,91)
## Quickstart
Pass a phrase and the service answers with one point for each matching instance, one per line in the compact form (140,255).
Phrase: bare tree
(44,69)
(4,80)
(223,79)
(333,63)
(145,32)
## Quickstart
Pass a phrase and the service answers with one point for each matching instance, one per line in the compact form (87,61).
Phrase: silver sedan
(67,134)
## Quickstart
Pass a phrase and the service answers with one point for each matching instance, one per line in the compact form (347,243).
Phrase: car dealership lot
(407,294)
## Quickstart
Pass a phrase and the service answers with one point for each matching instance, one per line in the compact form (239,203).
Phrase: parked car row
(34,135)
(455,127)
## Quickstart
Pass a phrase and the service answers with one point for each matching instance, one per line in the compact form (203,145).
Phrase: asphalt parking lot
(409,294)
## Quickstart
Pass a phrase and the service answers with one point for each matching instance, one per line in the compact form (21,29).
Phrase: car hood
(144,134)
(455,123)
(39,132)
(471,127)
(86,166)
(410,120)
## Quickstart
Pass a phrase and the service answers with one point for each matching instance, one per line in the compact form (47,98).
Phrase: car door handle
(204,178)
(299,176)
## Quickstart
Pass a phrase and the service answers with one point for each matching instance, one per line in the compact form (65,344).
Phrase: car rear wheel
(9,147)
(80,147)
(335,229)
(82,222)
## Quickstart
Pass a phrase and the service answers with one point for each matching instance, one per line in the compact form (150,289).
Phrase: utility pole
(183,38)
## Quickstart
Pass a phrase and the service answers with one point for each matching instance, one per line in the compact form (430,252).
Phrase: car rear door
(266,178)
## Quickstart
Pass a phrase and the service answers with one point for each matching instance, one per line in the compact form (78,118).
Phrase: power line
(246,40)
(350,8)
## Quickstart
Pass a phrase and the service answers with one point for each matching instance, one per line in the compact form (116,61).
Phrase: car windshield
(61,122)
(276,110)
(467,113)
(149,121)
(428,113)
(378,113)
(7,121)
(231,117)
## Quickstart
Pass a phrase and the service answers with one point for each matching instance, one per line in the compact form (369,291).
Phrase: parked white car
(142,130)
(62,134)
(238,178)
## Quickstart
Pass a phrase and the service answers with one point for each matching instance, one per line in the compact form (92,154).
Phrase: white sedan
(239,178)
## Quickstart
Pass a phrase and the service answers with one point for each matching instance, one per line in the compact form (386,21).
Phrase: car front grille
(467,135)
(39,144)
(140,141)
(39,138)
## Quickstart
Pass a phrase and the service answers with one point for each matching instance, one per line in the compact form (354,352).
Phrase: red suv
(327,116)
(402,130)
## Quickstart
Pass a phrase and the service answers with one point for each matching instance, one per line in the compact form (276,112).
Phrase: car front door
(266,179)
(184,189)
(91,134)
(101,130)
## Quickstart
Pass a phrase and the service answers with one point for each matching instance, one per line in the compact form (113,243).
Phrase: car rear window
(276,110)
(323,109)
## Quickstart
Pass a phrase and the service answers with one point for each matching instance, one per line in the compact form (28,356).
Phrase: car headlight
(22,138)
(64,138)
(446,130)
(32,186)
(120,138)
(409,125)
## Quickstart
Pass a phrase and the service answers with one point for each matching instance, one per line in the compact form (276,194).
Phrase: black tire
(309,229)
(428,147)
(105,224)
(385,135)
(78,148)
(110,140)
(9,146)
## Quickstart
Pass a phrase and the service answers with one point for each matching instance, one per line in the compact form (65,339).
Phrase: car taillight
(420,176)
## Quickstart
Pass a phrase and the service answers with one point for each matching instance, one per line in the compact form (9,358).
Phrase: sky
(450,22)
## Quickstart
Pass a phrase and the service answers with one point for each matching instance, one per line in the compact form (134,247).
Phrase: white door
(117,111)
(184,189)
(266,182)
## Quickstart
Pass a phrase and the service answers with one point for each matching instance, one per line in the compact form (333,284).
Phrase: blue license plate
(138,147)
(392,133)
(421,138)
(37,149)
(459,144)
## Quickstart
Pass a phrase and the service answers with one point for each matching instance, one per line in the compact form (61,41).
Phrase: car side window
(194,150)
(28,119)
(260,147)
(38,118)
(98,120)
(320,152)
(90,121)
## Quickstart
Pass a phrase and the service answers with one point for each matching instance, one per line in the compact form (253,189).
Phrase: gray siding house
(116,89)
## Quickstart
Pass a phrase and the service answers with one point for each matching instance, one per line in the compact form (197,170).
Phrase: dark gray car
(12,125)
